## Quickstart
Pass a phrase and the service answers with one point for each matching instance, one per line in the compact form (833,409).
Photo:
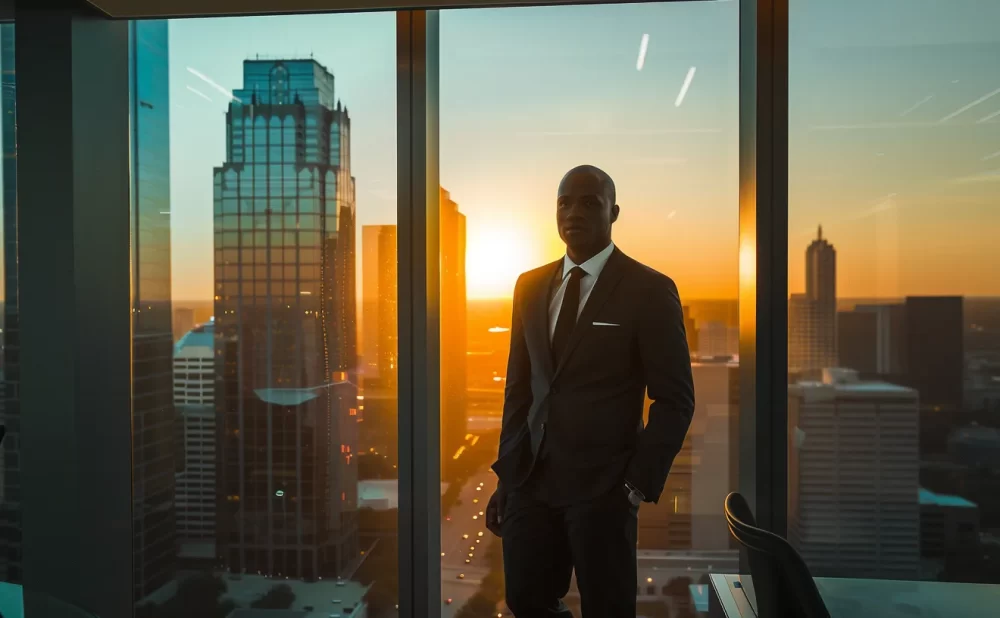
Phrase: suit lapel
(606,284)
(537,324)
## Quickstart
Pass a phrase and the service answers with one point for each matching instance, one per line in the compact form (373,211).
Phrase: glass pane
(10,412)
(894,315)
(648,93)
(262,479)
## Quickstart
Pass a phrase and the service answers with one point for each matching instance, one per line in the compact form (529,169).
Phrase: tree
(278,597)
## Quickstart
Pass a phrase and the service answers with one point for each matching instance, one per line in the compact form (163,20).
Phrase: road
(459,535)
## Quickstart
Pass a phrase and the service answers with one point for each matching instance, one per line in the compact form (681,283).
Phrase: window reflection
(547,89)
(268,453)
(893,315)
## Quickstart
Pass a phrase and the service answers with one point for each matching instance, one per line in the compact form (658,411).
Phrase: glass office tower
(286,334)
(10,490)
(155,443)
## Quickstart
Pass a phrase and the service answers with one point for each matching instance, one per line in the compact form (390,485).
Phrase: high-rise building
(717,339)
(935,349)
(10,506)
(857,341)
(286,326)
(183,321)
(454,337)
(378,292)
(715,438)
(690,330)
(377,434)
(853,467)
(155,432)
(812,317)
(194,400)
(874,338)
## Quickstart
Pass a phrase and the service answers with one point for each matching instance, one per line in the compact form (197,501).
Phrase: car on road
(461,576)
(468,561)
(448,601)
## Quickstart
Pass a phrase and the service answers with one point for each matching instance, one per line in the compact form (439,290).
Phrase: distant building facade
(853,467)
(194,400)
(454,335)
(812,317)
(286,326)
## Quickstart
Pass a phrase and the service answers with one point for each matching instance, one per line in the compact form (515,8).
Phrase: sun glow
(496,254)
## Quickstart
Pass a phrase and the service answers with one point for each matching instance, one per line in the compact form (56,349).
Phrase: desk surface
(879,598)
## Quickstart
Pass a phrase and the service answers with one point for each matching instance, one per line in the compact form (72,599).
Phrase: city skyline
(675,166)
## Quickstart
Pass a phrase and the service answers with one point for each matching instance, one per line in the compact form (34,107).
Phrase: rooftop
(929,498)
(202,336)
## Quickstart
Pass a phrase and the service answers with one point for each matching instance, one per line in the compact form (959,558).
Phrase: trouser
(544,544)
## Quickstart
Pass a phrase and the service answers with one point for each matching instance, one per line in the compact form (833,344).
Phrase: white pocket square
(606,324)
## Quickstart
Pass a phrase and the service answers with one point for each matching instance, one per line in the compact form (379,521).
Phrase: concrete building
(194,400)
(853,467)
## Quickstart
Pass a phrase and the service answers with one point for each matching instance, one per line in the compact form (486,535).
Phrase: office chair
(794,594)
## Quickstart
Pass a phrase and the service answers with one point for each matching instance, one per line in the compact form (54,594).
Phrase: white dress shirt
(592,269)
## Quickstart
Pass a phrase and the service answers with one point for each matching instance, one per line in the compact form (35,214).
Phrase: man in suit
(591,335)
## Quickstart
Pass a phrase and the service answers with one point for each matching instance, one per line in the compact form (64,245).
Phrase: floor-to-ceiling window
(264,329)
(894,306)
(648,93)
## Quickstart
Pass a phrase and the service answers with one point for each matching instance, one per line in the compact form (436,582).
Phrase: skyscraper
(872,340)
(10,506)
(935,349)
(812,317)
(853,466)
(155,436)
(857,341)
(194,399)
(378,291)
(454,337)
(286,331)
(378,433)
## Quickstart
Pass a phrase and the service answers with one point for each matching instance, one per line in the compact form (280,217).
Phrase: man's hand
(495,510)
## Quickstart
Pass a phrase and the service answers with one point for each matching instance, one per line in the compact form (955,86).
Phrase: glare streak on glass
(643,45)
(970,105)
(684,87)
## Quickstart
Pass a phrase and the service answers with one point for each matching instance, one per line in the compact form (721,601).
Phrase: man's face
(584,212)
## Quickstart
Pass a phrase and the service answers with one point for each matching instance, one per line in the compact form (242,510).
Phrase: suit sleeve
(517,392)
(666,365)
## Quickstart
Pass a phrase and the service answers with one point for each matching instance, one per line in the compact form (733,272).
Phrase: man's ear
(614,213)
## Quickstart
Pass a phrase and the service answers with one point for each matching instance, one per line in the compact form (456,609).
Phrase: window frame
(763,238)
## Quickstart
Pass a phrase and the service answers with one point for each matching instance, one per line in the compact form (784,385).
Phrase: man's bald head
(585,210)
(600,175)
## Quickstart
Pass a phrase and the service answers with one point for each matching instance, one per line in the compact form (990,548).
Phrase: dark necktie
(567,314)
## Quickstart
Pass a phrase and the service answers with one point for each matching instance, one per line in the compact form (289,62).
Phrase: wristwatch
(635,497)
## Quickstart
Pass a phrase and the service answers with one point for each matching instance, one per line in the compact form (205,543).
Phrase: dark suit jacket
(587,407)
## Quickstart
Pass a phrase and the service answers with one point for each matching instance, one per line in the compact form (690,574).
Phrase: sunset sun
(495,256)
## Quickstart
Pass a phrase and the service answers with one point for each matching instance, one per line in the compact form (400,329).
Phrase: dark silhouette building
(286,326)
(857,341)
(454,336)
(935,354)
